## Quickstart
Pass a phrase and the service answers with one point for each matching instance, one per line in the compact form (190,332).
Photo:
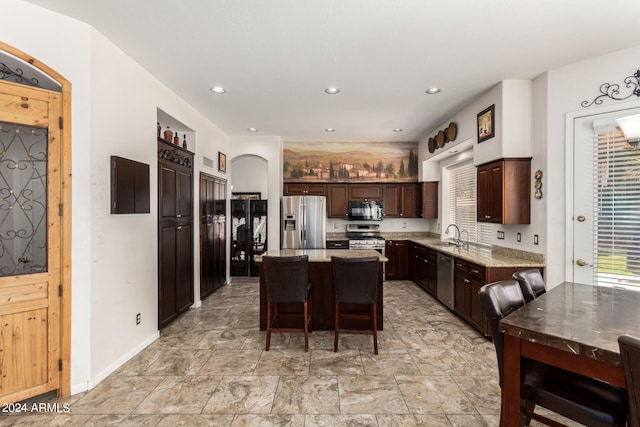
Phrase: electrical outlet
(500,235)
(404,225)
(535,239)
(519,237)
(138,318)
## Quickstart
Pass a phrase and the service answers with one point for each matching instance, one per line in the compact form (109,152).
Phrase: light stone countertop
(496,257)
(324,255)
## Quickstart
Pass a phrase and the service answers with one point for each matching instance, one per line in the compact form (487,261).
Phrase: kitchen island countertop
(324,255)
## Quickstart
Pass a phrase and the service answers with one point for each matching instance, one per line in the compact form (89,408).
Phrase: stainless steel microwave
(366,211)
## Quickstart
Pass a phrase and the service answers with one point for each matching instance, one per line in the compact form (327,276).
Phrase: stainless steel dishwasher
(445,280)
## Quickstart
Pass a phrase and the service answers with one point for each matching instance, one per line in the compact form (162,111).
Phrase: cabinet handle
(467,281)
(179,227)
(475,271)
(178,216)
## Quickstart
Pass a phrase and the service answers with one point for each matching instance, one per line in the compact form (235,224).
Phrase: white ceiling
(276,57)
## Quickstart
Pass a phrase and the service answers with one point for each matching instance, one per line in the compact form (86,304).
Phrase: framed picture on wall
(486,124)
(222,162)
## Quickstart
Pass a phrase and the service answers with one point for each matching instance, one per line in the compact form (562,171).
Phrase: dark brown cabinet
(423,267)
(397,251)
(401,200)
(213,225)
(430,199)
(301,189)
(175,232)
(338,202)
(504,191)
(365,192)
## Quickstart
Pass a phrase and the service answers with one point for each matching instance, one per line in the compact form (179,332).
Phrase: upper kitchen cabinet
(401,200)
(302,189)
(430,199)
(365,192)
(504,191)
(338,202)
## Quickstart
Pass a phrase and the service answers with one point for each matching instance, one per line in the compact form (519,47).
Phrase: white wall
(114,257)
(566,88)
(250,175)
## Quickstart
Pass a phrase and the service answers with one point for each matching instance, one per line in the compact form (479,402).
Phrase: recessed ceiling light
(433,90)
(329,130)
(397,130)
(332,90)
(218,89)
(252,130)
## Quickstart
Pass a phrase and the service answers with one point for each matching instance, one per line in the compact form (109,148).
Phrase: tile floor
(209,368)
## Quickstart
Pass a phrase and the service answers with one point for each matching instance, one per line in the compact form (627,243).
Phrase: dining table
(572,326)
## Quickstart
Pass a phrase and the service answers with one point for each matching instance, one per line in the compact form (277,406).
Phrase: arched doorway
(35,227)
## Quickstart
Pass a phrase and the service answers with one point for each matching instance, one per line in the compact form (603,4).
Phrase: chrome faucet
(457,239)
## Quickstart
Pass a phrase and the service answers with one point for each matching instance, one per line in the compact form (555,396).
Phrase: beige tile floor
(209,368)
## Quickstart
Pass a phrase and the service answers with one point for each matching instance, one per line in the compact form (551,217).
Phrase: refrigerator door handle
(303,227)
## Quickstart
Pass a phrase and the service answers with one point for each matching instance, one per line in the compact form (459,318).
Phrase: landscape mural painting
(350,162)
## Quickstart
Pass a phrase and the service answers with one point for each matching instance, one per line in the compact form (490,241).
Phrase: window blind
(462,202)
(616,209)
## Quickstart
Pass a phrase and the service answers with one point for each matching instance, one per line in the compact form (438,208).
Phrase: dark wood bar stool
(356,282)
(287,282)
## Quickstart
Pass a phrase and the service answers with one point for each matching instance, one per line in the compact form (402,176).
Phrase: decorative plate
(440,139)
(431,145)
(452,131)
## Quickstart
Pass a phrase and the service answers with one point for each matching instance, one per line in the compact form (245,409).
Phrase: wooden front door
(30,241)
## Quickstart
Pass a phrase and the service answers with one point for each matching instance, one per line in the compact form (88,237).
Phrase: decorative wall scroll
(612,91)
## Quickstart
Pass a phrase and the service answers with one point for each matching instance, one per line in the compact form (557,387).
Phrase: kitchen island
(323,291)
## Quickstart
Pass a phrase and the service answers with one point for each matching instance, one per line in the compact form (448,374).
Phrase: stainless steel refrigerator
(304,222)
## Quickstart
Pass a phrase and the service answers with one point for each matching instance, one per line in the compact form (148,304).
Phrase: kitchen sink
(445,244)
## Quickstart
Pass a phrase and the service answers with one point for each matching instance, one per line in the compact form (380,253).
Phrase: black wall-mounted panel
(129,186)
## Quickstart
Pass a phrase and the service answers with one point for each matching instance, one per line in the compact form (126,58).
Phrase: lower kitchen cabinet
(423,268)
(397,253)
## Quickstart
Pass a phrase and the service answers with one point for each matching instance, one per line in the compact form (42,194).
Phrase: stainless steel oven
(367,236)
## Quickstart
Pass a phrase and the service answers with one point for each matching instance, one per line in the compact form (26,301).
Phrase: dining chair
(581,399)
(356,283)
(287,282)
(630,355)
(531,283)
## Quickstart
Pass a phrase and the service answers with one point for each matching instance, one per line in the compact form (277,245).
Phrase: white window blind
(616,209)
(462,202)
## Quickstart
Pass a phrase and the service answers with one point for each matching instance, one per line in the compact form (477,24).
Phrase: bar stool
(287,282)
(531,283)
(356,282)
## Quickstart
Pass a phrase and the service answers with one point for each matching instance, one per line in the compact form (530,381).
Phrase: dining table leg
(510,408)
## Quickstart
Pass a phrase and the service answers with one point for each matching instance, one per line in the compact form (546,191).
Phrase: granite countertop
(324,255)
(581,319)
(488,257)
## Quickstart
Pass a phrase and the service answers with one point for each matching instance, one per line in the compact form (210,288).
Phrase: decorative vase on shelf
(184,141)
(176,139)
(159,129)
(167,134)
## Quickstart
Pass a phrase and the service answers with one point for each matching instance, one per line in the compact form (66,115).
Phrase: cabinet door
(294,189)
(495,195)
(390,201)
(432,271)
(167,193)
(430,199)
(184,261)
(185,194)
(461,284)
(338,201)
(167,274)
(483,193)
(206,235)
(476,313)
(402,259)
(316,189)
(409,200)
(391,266)
(365,192)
